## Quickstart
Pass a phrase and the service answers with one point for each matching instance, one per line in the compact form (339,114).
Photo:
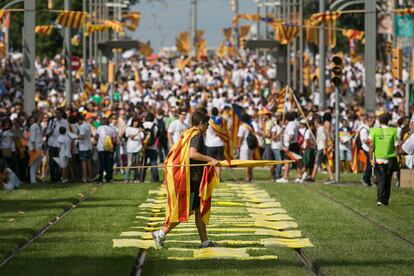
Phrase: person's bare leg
(201,226)
(286,171)
(328,168)
(315,170)
(167,228)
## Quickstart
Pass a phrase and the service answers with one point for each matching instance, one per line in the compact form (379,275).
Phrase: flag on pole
(182,43)
(132,20)
(116,26)
(91,28)
(3,14)
(353,34)
(44,29)
(284,34)
(71,19)
(317,18)
(245,16)
(145,49)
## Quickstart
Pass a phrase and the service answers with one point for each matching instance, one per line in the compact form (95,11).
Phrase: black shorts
(215,152)
(194,195)
(321,158)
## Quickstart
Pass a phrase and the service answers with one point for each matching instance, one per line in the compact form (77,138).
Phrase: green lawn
(81,244)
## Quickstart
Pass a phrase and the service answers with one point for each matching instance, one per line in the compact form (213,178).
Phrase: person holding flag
(185,180)
(218,140)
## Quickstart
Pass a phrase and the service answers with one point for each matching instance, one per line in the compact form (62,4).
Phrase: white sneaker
(282,180)
(159,241)
(298,180)
(207,243)
(304,176)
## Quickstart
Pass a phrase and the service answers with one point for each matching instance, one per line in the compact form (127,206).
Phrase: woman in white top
(133,148)
(35,146)
(8,145)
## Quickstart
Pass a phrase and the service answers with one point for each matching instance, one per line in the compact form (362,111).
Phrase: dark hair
(62,130)
(384,119)
(104,121)
(318,119)
(290,116)
(150,117)
(135,119)
(199,117)
(245,118)
(6,120)
(80,117)
(214,111)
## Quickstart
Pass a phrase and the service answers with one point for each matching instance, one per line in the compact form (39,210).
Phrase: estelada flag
(223,133)
(177,181)
(71,19)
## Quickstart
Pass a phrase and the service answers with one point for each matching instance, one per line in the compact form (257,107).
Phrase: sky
(162,20)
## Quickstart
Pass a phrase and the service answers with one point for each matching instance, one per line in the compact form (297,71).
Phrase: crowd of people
(136,120)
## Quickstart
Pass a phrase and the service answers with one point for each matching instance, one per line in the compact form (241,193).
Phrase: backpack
(301,139)
(149,136)
(108,145)
(251,140)
(162,130)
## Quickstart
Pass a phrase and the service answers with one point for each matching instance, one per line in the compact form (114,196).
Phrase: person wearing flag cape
(188,182)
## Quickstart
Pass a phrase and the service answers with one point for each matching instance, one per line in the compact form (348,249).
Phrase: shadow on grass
(69,265)
(364,263)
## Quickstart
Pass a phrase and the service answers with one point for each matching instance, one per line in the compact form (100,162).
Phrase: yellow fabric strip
(152,206)
(264,205)
(268,211)
(145,244)
(291,243)
(220,253)
(144,235)
(282,234)
(251,258)
(151,218)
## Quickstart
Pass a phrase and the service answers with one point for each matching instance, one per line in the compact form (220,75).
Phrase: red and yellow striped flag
(183,43)
(353,34)
(284,34)
(116,26)
(177,181)
(245,16)
(44,29)
(223,133)
(405,11)
(133,18)
(145,49)
(3,14)
(71,19)
(312,33)
(281,99)
(317,18)
(90,28)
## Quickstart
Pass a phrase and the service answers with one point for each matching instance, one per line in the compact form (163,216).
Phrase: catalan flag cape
(237,112)
(177,181)
(222,132)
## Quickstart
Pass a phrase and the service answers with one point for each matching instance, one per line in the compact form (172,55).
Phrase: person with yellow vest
(383,155)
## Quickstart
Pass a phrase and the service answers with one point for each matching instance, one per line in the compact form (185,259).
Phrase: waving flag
(353,34)
(284,34)
(116,26)
(71,19)
(132,19)
(223,133)
(405,11)
(3,14)
(182,43)
(245,16)
(44,29)
(91,28)
(237,112)
(317,18)
(145,49)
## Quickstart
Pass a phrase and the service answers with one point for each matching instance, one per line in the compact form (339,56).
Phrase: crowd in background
(134,121)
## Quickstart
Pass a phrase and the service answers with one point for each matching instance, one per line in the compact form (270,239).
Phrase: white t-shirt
(364,135)
(212,140)
(408,146)
(53,130)
(291,129)
(7,140)
(35,137)
(277,144)
(102,131)
(134,142)
(64,143)
(175,130)
(85,131)
(242,134)
(321,139)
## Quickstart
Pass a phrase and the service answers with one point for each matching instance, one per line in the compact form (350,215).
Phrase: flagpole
(68,60)
(84,43)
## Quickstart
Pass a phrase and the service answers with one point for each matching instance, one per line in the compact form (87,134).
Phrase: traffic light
(396,64)
(336,69)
